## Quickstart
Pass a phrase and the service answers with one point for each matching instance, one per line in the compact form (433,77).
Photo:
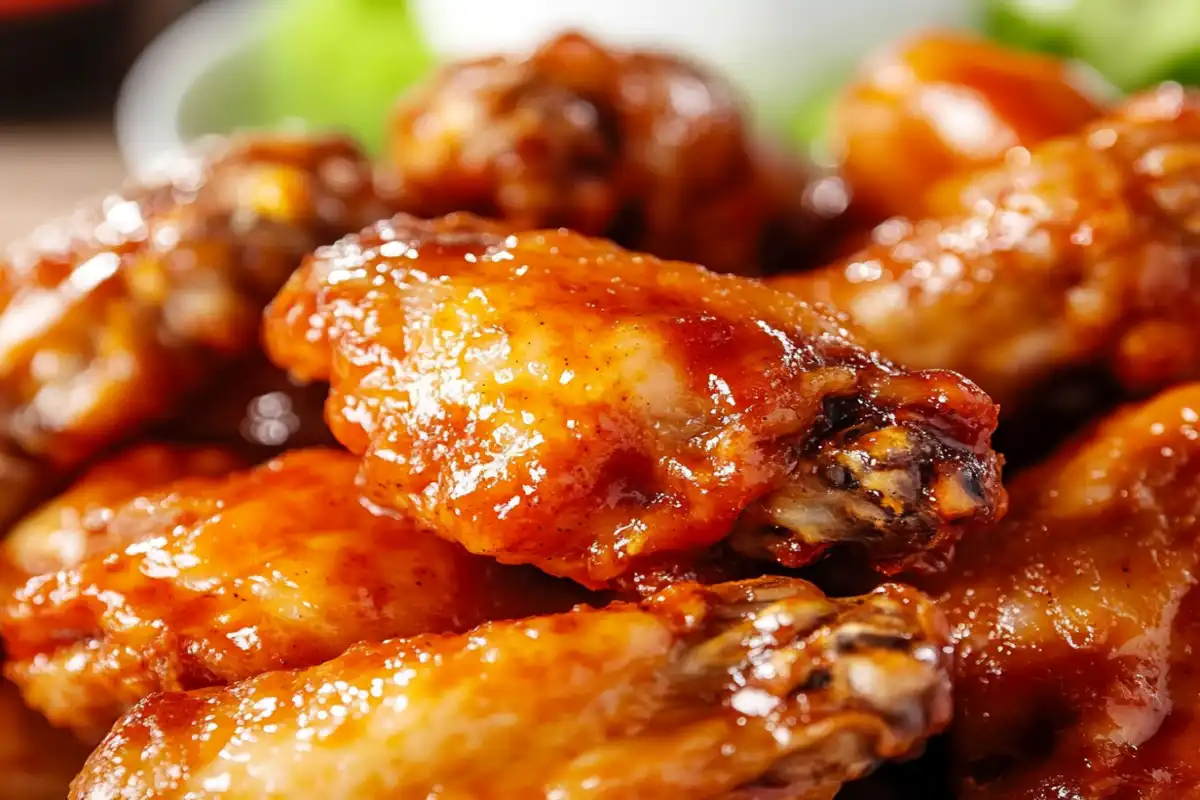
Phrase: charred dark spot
(839,477)
(926,472)
(972,483)
(817,680)
(842,412)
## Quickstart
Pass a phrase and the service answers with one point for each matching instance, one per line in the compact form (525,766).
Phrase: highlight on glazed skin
(138,302)
(760,686)
(637,146)
(946,103)
(1076,618)
(74,525)
(551,399)
(216,579)
(1080,257)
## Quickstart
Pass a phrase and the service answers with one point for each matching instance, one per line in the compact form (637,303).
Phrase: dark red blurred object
(66,57)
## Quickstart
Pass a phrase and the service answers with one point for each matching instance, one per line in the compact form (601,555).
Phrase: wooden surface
(47,170)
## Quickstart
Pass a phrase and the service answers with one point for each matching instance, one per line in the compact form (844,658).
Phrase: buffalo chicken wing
(942,104)
(212,580)
(111,318)
(763,686)
(551,399)
(1082,255)
(637,146)
(1076,620)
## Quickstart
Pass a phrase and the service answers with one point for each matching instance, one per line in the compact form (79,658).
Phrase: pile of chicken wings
(457,476)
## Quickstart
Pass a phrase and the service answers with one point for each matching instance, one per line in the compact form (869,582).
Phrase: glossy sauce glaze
(942,104)
(1076,619)
(552,399)
(213,580)
(1082,254)
(763,685)
(74,525)
(638,146)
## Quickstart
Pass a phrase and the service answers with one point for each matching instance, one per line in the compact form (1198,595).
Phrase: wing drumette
(693,694)
(637,146)
(1083,255)
(1077,617)
(214,580)
(944,103)
(551,399)
(110,319)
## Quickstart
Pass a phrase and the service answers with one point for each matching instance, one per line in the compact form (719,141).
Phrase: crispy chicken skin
(552,399)
(215,580)
(637,146)
(1076,619)
(695,693)
(109,319)
(1083,255)
(74,525)
(37,762)
(944,103)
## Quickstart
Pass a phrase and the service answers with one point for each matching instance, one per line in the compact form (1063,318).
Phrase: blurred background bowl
(197,77)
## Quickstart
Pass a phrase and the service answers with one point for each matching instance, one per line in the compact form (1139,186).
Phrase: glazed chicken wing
(1082,256)
(693,694)
(37,762)
(1076,620)
(551,399)
(945,103)
(213,580)
(110,319)
(637,146)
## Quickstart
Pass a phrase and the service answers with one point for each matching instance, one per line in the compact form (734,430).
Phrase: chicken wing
(1076,618)
(551,399)
(692,694)
(37,762)
(215,580)
(641,147)
(74,525)
(1083,255)
(945,103)
(108,320)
